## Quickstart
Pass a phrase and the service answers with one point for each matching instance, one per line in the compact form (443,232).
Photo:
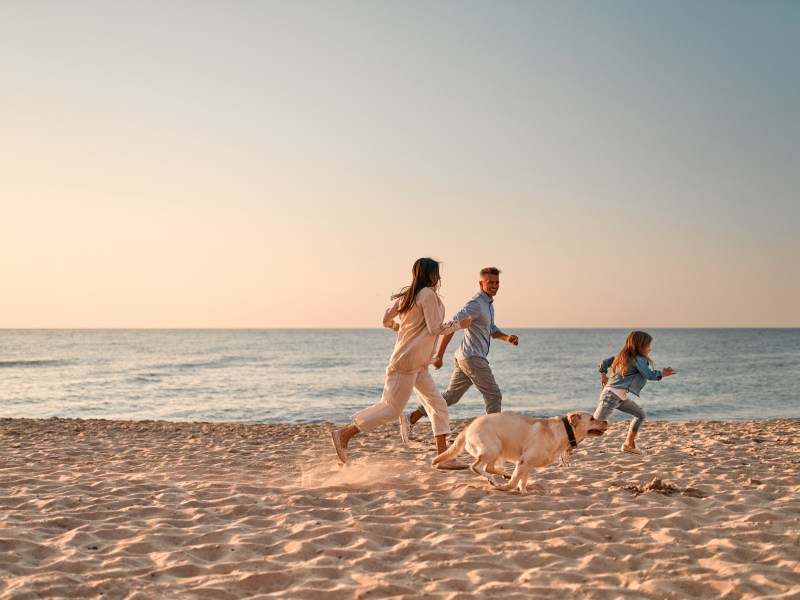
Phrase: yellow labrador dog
(531,443)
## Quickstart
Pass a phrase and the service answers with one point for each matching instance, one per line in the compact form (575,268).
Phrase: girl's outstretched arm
(644,368)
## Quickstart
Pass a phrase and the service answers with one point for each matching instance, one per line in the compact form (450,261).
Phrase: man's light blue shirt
(478,336)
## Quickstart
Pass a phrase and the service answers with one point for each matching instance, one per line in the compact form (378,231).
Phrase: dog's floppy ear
(574,418)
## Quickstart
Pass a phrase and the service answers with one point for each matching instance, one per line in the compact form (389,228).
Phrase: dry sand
(149,509)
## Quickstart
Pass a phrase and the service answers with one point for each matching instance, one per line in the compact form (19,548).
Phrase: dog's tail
(453,451)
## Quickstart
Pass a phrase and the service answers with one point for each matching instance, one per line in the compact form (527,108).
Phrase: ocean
(325,375)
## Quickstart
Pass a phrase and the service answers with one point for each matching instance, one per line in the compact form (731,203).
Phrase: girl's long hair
(635,345)
(425,273)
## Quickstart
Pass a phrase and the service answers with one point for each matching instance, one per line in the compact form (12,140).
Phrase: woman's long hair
(425,273)
(635,345)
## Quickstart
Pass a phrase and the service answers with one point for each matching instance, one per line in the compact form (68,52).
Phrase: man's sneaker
(405,427)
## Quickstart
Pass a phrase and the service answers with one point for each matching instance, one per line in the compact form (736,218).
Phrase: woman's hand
(465,322)
(666,371)
(603,379)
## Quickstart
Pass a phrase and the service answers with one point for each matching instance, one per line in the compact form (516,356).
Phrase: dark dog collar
(570,432)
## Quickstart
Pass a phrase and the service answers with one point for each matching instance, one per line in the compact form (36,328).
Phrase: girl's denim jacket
(634,379)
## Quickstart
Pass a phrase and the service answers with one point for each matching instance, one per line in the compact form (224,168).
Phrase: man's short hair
(490,271)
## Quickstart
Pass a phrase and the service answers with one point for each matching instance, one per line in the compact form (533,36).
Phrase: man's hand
(513,340)
(437,362)
(603,379)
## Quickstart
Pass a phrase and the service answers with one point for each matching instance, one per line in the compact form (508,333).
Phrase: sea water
(316,375)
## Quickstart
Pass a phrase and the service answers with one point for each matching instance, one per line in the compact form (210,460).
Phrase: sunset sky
(282,164)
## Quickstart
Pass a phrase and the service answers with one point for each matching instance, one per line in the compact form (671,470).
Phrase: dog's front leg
(523,482)
(527,462)
(520,471)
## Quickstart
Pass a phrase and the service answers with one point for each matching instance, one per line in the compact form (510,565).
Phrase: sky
(257,164)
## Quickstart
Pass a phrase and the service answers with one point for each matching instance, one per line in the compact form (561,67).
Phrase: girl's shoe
(632,449)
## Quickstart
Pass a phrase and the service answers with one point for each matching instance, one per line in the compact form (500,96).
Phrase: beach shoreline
(154,509)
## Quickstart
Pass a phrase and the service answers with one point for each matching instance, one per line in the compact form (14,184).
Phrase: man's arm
(511,339)
(438,359)
(471,310)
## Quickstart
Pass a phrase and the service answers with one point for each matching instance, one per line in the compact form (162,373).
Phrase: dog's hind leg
(492,469)
(479,467)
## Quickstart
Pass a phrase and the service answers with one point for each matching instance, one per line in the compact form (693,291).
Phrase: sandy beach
(120,509)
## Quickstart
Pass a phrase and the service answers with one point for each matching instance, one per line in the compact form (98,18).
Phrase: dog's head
(585,424)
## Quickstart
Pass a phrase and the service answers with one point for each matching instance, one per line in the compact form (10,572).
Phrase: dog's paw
(497,480)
